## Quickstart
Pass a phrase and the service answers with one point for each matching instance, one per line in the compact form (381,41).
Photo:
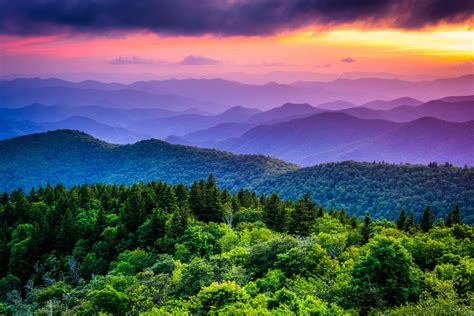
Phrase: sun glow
(454,43)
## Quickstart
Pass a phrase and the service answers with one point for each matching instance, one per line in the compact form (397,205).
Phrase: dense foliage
(71,157)
(382,189)
(158,249)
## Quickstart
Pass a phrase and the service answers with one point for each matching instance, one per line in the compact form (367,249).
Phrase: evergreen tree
(410,226)
(366,231)
(101,222)
(65,239)
(182,196)
(456,216)
(303,216)
(196,199)
(225,196)
(212,200)
(354,222)
(448,222)
(402,220)
(321,211)
(245,198)
(176,225)
(274,213)
(427,219)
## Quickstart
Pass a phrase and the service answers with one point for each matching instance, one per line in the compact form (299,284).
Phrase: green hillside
(71,157)
(382,189)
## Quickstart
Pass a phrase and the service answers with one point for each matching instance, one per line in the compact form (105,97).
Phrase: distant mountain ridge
(337,136)
(216,95)
(192,127)
(115,135)
(453,109)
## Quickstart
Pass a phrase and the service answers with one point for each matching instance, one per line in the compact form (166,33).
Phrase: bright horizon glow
(440,52)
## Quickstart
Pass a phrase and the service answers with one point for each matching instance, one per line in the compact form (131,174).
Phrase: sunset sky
(406,37)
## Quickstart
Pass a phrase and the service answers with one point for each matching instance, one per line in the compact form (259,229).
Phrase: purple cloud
(348,60)
(194,60)
(133,60)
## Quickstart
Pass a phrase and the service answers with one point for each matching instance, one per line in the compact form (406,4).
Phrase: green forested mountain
(156,249)
(383,189)
(70,157)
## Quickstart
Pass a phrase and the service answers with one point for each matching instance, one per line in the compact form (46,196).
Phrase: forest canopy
(156,248)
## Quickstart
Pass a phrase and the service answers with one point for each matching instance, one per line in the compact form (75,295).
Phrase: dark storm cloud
(221,17)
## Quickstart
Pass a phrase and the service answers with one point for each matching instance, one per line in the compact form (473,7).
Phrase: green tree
(454,217)
(366,230)
(21,248)
(303,216)
(216,296)
(110,300)
(402,220)
(427,219)
(411,225)
(275,213)
(384,275)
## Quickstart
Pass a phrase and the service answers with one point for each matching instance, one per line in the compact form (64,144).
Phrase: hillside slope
(71,157)
(378,188)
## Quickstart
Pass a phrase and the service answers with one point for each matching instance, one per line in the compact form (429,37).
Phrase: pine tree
(410,222)
(176,225)
(274,213)
(321,211)
(427,219)
(354,222)
(196,199)
(212,201)
(245,198)
(182,196)
(402,220)
(225,196)
(304,215)
(448,222)
(65,238)
(456,216)
(101,222)
(366,231)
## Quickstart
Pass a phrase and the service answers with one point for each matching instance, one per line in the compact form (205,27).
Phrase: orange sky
(440,52)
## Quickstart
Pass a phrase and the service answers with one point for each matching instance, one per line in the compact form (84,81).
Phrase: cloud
(323,66)
(348,60)
(133,60)
(193,60)
(244,17)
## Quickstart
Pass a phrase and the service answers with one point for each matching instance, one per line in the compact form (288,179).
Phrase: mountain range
(299,133)
(336,136)
(74,158)
(217,95)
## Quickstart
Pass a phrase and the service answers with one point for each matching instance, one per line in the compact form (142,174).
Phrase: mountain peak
(295,105)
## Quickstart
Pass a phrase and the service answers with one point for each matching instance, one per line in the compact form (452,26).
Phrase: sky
(214,37)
